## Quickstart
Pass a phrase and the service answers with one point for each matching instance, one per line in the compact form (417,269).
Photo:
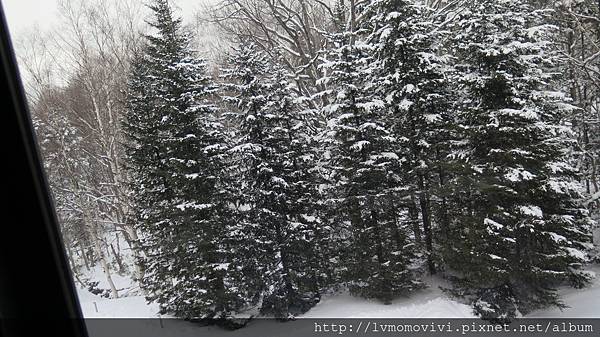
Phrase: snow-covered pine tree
(278,235)
(522,230)
(409,76)
(363,163)
(175,158)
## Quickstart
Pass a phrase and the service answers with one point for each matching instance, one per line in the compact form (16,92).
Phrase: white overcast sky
(25,14)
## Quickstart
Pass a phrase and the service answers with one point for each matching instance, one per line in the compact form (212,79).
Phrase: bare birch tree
(76,79)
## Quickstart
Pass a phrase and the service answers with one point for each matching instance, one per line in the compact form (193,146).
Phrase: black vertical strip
(36,288)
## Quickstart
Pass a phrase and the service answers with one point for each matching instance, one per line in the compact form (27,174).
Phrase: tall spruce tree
(409,76)
(279,234)
(363,181)
(175,155)
(522,230)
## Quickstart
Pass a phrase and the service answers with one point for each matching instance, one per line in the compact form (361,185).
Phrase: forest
(267,152)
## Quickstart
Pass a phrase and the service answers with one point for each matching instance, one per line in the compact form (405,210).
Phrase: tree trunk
(425,213)
(385,284)
(289,289)
(134,243)
(413,213)
(105,268)
(444,217)
(85,258)
(118,259)
(94,236)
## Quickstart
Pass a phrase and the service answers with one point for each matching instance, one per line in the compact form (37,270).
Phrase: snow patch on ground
(347,306)
(126,307)
(95,306)
(430,302)
(427,303)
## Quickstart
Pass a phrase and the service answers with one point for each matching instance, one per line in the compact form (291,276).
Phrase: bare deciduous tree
(294,28)
(77,77)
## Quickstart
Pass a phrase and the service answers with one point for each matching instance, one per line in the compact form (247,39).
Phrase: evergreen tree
(364,183)
(175,158)
(522,230)
(409,76)
(278,236)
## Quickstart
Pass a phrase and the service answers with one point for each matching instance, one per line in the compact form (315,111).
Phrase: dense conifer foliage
(362,146)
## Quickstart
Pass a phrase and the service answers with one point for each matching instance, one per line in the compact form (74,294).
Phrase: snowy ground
(126,307)
(428,303)
(94,306)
